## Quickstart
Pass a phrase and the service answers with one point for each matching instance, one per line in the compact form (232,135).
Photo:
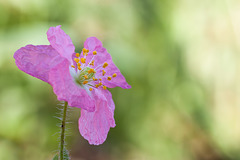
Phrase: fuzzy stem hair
(63,127)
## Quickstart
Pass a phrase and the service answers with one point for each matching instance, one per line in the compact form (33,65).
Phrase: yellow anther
(100,79)
(79,68)
(94,52)
(109,78)
(77,55)
(104,87)
(85,82)
(97,85)
(100,83)
(92,63)
(83,60)
(76,60)
(91,70)
(84,50)
(72,66)
(114,75)
(103,72)
(90,89)
(78,64)
(105,65)
(93,78)
(85,76)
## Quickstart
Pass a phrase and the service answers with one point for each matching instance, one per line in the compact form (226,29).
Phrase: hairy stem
(63,127)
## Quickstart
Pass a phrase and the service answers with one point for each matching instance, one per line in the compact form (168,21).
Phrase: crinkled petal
(60,41)
(94,126)
(67,90)
(37,61)
(118,81)
(93,44)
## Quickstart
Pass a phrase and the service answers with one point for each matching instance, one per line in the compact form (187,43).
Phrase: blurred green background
(180,56)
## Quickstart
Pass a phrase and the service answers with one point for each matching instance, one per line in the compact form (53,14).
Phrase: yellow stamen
(79,68)
(94,52)
(87,51)
(76,60)
(85,76)
(100,84)
(114,75)
(105,65)
(104,87)
(92,63)
(77,55)
(72,66)
(103,72)
(97,85)
(90,89)
(109,78)
(95,79)
(85,82)
(84,50)
(78,64)
(91,70)
(83,60)
(100,79)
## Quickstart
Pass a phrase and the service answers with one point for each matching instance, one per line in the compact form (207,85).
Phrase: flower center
(85,74)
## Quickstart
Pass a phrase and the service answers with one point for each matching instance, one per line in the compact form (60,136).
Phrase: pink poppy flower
(80,79)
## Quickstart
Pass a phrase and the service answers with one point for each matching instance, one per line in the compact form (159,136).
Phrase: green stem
(63,127)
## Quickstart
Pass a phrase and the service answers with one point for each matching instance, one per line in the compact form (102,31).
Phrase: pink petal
(93,44)
(60,41)
(37,60)
(118,81)
(94,126)
(67,90)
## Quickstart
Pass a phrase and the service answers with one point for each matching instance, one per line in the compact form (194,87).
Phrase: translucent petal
(60,41)
(37,60)
(94,126)
(93,44)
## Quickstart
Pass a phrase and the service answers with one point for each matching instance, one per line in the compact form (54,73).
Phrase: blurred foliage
(181,58)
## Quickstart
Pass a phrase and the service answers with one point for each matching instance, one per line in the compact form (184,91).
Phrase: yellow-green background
(181,57)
